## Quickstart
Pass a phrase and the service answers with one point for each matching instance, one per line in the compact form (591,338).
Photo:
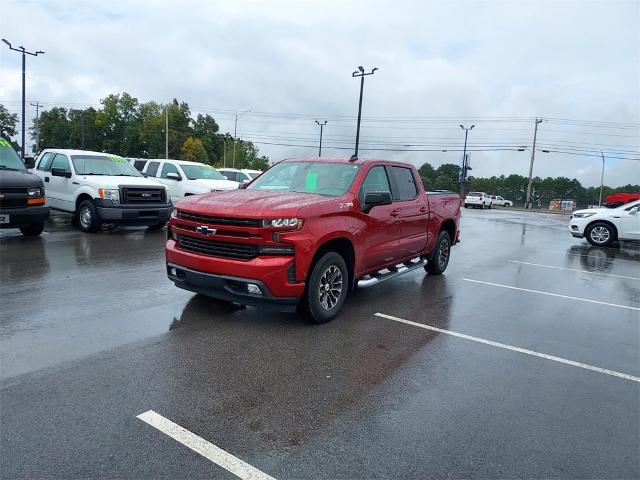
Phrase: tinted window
(405,184)
(139,164)
(169,168)
(376,181)
(61,161)
(152,168)
(230,176)
(45,161)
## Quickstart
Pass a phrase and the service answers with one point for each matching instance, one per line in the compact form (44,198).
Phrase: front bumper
(576,229)
(473,202)
(22,216)
(133,214)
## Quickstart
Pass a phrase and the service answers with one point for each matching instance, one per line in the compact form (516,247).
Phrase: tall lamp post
(24,52)
(463,173)
(235,136)
(322,124)
(601,180)
(360,73)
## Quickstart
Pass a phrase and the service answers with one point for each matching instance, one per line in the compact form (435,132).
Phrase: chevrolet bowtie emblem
(204,230)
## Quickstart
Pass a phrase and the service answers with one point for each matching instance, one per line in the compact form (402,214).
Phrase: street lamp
(235,136)
(463,173)
(24,52)
(321,126)
(362,74)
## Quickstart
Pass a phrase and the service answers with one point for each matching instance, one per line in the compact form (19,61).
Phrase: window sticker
(311,182)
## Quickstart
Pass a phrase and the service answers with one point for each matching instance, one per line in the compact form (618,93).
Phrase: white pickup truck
(98,187)
(603,226)
(184,178)
(498,201)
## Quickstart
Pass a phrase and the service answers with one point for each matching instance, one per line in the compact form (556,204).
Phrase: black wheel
(87,217)
(326,289)
(438,262)
(466,205)
(490,205)
(157,226)
(600,234)
(32,230)
(482,206)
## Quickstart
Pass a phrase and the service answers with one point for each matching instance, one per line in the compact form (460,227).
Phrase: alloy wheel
(330,288)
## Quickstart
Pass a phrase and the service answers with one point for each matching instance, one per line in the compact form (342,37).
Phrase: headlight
(35,192)
(110,194)
(283,223)
(174,213)
(582,215)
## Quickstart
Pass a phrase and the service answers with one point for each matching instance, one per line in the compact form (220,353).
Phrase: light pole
(527,203)
(24,52)
(37,105)
(321,127)
(362,74)
(601,180)
(463,173)
(235,136)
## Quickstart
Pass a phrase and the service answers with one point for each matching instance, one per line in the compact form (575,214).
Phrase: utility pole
(527,203)
(235,137)
(166,132)
(24,52)
(37,105)
(601,180)
(321,126)
(362,74)
(224,151)
(463,172)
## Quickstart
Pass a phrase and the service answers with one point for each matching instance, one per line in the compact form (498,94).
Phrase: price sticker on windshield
(116,159)
(4,143)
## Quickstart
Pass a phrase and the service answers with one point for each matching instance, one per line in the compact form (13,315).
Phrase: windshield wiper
(4,167)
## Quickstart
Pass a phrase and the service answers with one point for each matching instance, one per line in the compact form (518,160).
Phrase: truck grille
(13,197)
(240,222)
(143,195)
(215,248)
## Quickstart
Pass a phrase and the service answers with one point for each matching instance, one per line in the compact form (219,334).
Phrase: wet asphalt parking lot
(521,361)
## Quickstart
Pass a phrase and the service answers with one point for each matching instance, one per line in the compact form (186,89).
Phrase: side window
(404,184)
(152,168)
(61,161)
(139,164)
(168,168)
(229,175)
(376,181)
(45,161)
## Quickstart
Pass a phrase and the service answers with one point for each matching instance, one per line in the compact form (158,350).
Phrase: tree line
(514,187)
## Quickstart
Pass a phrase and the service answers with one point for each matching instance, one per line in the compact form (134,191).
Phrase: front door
(629,222)
(58,190)
(174,186)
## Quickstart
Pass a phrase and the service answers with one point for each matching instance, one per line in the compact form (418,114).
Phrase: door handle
(394,213)
(46,179)
(424,210)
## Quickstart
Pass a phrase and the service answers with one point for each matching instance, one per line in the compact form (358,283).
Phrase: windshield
(196,172)
(9,159)
(103,165)
(332,179)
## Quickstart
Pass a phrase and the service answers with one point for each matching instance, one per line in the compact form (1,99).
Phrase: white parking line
(524,351)
(540,292)
(573,270)
(583,255)
(199,445)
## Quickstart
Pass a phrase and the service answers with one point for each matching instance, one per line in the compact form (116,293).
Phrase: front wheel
(439,261)
(327,288)
(87,217)
(32,230)
(600,234)
(489,207)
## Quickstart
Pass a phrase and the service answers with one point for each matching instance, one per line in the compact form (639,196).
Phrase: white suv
(477,200)
(243,176)
(98,187)
(602,226)
(498,201)
(184,178)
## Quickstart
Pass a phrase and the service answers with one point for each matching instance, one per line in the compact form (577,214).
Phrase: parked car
(603,226)
(307,231)
(617,199)
(477,200)
(242,176)
(184,178)
(101,188)
(22,195)
(498,201)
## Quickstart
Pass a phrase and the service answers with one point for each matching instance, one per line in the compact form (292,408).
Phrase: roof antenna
(353,158)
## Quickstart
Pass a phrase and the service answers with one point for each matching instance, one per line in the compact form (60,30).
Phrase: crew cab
(243,175)
(22,200)
(498,201)
(603,226)
(477,200)
(101,188)
(184,178)
(307,231)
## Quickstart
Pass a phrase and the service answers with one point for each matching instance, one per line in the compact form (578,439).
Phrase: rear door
(411,210)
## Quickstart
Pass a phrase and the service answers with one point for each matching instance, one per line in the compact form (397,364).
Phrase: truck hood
(216,184)
(109,181)
(242,203)
(19,178)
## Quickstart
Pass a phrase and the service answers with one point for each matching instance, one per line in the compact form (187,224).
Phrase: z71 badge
(346,205)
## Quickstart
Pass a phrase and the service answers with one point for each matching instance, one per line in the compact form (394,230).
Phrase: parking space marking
(573,270)
(524,351)
(199,445)
(582,255)
(540,292)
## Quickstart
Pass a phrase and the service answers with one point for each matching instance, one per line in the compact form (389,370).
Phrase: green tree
(206,129)
(193,150)
(179,127)
(152,124)
(83,133)
(54,128)
(119,123)
(8,125)
(447,177)
(428,176)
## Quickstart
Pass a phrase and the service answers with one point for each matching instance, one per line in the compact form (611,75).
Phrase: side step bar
(391,272)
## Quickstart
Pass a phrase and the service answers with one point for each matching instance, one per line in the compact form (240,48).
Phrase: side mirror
(174,176)
(60,172)
(29,162)
(374,199)
(635,210)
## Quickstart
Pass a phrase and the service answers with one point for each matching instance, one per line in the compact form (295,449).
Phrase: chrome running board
(391,272)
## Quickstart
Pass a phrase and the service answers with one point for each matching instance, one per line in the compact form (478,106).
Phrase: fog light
(174,272)
(253,289)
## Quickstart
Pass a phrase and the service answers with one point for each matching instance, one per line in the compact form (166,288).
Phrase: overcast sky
(495,64)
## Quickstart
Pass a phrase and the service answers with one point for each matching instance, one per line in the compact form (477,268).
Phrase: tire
(318,303)
(32,230)
(157,226)
(600,234)
(87,217)
(466,205)
(482,206)
(439,260)
(490,205)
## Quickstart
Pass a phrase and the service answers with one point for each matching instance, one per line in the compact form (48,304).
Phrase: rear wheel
(87,217)
(439,261)
(600,234)
(32,230)
(327,288)
(490,205)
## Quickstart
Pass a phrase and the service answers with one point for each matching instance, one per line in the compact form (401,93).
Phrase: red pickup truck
(307,231)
